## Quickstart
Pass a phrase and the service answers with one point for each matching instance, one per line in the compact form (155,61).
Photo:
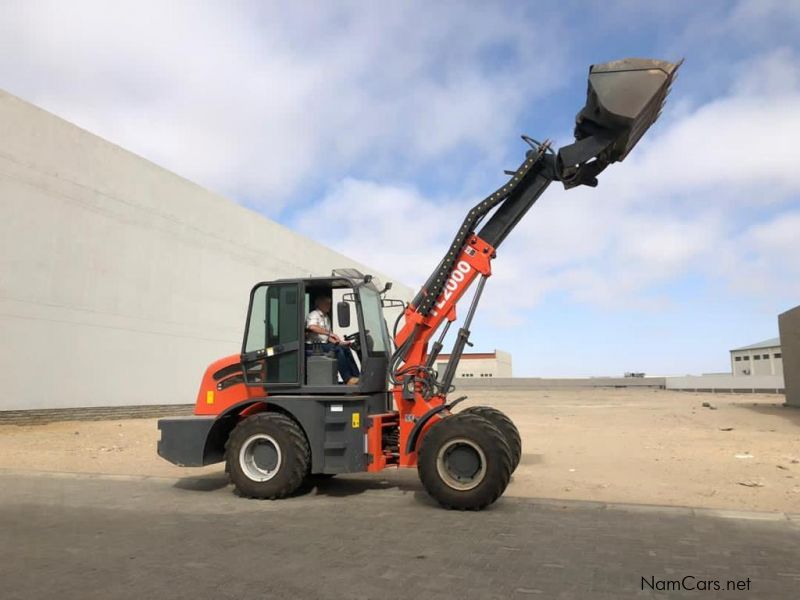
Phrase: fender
(214,446)
(411,445)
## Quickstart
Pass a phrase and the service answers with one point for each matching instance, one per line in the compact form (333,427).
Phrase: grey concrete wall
(120,281)
(537,383)
(715,383)
(727,383)
(92,413)
(789,325)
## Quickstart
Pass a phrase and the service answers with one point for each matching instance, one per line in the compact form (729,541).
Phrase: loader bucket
(624,99)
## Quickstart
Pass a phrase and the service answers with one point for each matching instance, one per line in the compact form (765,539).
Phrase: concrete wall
(120,281)
(727,383)
(789,325)
(718,383)
(543,383)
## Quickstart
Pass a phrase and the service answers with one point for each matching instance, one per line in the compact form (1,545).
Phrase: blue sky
(372,127)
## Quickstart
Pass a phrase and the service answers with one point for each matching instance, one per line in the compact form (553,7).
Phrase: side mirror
(343,314)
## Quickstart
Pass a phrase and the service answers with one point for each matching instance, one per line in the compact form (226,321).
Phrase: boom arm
(624,99)
(467,258)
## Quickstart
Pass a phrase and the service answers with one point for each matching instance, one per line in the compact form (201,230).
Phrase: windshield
(374,323)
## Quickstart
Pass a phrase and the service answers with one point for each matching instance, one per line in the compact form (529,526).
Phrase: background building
(762,358)
(120,281)
(479,364)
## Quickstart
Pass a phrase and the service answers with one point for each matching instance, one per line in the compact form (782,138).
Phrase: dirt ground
(613,445)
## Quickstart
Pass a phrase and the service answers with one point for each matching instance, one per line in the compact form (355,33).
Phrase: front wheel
(506,426)
(464,462)
(267,456)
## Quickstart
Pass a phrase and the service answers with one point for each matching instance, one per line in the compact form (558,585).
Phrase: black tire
(284,459)
(506,426)
(471,435)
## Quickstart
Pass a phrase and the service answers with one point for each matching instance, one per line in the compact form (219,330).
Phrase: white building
(762,358)
(120,281)
(477,365)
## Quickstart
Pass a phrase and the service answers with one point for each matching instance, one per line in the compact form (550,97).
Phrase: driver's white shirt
(320,319)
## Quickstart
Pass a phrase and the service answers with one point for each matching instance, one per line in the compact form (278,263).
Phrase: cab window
(273,327)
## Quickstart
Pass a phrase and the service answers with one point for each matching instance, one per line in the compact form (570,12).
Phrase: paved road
(83,537)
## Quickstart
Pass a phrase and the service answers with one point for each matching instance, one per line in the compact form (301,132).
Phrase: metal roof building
(761,358)
(479,364)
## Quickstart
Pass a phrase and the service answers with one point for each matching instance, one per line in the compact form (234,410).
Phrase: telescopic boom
(624,98)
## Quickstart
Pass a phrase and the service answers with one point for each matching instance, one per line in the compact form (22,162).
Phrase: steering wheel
(356,339)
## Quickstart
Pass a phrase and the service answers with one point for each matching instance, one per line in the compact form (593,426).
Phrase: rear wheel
(506,426)
(464,462)
(267,456)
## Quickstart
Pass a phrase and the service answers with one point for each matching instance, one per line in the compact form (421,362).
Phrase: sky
(373,127)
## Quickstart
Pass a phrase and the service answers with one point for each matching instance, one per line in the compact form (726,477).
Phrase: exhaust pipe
(623,100)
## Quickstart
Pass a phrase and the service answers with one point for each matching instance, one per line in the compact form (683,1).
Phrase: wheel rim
(260,457)
(461,464)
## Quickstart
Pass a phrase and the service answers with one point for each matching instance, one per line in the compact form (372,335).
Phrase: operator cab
(275,352)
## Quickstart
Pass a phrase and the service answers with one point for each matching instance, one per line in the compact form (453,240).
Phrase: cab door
(272,343)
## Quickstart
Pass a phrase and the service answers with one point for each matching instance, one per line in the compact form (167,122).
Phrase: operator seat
(321,367)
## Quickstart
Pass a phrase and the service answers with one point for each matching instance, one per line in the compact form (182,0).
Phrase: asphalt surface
(87,537)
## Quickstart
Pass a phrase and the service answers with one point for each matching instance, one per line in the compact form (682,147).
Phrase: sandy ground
(633,446)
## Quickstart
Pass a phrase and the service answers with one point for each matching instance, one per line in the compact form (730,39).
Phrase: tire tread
(298,454)
(500,420)
(497,451)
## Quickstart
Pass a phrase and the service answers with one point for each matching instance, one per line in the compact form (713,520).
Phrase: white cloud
(258,101)
(741,142)
(763,259)
(394,228)
(357,99)
(681,205)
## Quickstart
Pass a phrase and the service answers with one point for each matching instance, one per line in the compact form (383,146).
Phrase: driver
(319,331)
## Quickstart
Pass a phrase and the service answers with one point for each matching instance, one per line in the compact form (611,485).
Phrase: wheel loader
(276,413)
